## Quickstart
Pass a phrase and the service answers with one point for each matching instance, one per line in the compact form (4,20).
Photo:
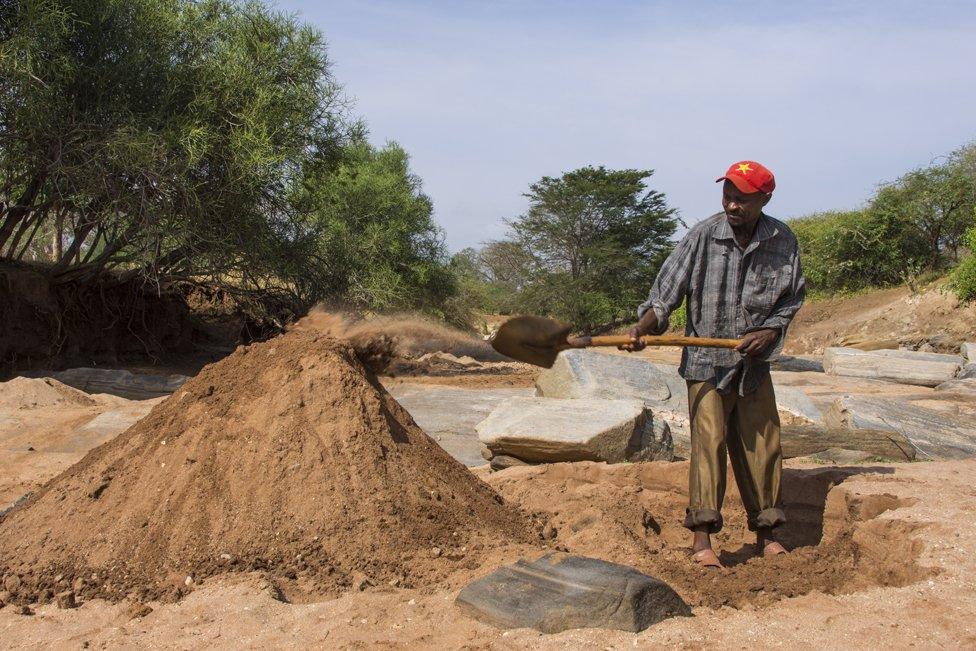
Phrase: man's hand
(646,325)
(754,343)
(635,341)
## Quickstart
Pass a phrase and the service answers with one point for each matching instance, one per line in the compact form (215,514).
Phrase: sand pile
(37,393)
(288,458)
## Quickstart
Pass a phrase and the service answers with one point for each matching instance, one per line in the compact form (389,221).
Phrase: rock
(935,434)
(66,599)
(116,382)
(903,366)
(485,453)
(809,440)
(796,364)
(968,350)
(551,429)
(559,592)
(502,461)
(965,386)
(582,373)
(796,407)
(454,426)
(967,372)
(840,455)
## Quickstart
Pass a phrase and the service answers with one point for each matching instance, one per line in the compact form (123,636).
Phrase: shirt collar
(765,229)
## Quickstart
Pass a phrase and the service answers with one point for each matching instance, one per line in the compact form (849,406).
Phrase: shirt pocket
(767,280)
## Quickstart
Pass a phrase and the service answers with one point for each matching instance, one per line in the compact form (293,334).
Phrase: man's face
(742,209)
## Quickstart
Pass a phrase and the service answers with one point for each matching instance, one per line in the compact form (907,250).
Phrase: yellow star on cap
(744,167)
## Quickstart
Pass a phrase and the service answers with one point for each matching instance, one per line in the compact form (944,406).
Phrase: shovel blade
(531,339)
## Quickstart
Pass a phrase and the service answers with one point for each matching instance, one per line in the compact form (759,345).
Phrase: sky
(488,97)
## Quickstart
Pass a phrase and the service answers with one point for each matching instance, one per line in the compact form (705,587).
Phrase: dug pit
(631,514)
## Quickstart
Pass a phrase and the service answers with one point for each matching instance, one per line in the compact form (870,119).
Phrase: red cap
(749,176)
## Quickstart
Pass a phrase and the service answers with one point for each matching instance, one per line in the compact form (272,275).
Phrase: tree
(589,245)
(160,137)
(937,201)
(377,246)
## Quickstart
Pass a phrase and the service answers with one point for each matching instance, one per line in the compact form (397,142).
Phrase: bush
(962,281)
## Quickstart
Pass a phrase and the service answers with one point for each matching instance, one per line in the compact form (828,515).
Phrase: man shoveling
(739,272)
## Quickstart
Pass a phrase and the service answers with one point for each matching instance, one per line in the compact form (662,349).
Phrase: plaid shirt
(729,291)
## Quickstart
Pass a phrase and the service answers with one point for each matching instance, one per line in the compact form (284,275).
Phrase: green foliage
(585,251)
(962,281)
(844,251)
(377,244)
(205,140)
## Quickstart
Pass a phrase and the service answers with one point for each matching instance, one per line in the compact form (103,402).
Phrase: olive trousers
(747,429)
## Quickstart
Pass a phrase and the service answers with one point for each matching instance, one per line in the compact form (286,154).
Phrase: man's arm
(666,294)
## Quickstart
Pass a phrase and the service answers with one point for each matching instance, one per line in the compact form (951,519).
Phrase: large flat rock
(449,414)
(903,366)
(559,592)
(116,382)
(935,434)
(581,373)
(555,429)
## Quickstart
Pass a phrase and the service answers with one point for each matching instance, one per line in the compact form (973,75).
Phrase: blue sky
(488,97)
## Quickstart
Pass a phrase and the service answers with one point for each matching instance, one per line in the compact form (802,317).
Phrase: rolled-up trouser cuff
(767,519)
(710,517)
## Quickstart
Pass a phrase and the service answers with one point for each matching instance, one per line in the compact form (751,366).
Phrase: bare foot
(773,548)
(707,558)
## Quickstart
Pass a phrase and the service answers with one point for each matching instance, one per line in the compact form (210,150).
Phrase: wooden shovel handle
(649,340)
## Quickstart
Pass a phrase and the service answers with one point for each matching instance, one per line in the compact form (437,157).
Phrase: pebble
(436,552)
(188,581)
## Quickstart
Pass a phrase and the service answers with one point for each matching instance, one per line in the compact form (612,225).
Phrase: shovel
(537,340)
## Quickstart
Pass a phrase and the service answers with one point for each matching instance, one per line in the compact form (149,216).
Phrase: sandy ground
(936,501)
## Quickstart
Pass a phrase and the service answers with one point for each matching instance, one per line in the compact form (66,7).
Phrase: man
(739,272)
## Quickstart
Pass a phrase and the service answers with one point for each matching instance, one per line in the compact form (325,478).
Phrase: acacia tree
(594,239)
(160,136)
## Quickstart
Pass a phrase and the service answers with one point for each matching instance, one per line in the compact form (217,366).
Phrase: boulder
(553,429)
(796,407)
(582,373)
(968,350)
(796,364)
(808,440)
(116,382)
(559,592)
(935,434)
(902,366)
(963,385)
(967,372)
(502,461)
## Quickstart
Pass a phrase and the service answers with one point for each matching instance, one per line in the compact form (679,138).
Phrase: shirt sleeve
(786,308)
(671,284)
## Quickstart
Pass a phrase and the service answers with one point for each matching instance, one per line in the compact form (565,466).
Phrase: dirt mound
(631,514)
(35,393)
(286,457)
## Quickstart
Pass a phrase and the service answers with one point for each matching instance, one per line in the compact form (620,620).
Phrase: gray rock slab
(133,386)
(840,455)
(795,407)
(968,350)
(582,373)
(559,592)
(798,364)
(449,414)
(556,429)
(964,386)
(902,366)
(967,372)
(935,434)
